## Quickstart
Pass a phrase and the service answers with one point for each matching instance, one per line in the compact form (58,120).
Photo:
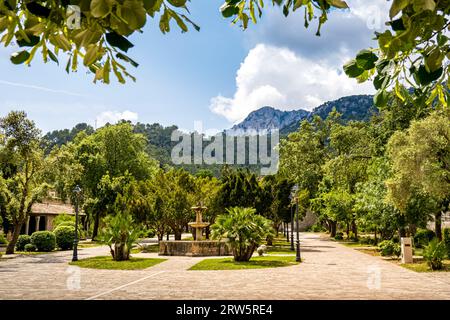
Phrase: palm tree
(244,229)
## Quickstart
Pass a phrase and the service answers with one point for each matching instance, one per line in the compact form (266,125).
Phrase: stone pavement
(329,271)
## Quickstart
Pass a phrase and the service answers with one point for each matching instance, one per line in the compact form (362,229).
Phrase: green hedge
(29,247)
(65,235)
(44,241)
(22,241)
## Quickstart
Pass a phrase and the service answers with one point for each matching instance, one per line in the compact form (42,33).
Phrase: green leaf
(91,55)
(397,25)
(424,5)
(118,41)
(177,3)
(228,10)
(164,22)
(381,99)
(34,40)
(53,56)
(179,21)
(423,77)
(61,41)
(352,69)
(19,57)
(133,12)
(366,59)
(433,61)
(127,59)
(397,6)
(101,8)
(338,4)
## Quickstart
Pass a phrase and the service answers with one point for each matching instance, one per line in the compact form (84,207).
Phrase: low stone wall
(194,248)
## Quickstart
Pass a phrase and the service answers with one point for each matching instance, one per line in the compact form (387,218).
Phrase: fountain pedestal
(198,224)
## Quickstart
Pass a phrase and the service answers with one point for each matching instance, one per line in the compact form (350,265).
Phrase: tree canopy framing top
(412,52)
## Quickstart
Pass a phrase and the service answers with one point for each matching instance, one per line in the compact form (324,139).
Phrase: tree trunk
(96,224)
(177,234)
(269,241)
(355,230)
(120,252)
(438,225)
(15,236)
(333,225)
(375,236)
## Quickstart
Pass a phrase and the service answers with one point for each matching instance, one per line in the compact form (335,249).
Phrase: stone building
(43,214)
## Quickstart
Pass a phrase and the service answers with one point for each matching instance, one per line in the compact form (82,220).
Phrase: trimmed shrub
(423,237)
(447,241)
(339,236)
(65,235)
(44,241)
(434,253)
(29,247)
(389,248)
(22,241)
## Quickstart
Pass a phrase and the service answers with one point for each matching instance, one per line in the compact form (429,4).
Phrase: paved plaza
(329,271)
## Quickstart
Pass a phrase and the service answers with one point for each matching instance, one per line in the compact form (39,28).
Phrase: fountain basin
(203,248)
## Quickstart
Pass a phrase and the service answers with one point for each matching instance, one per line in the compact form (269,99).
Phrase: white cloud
(115,116)
(281,78)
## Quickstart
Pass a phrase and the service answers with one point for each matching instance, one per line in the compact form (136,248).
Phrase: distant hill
(357,107)
(268,118)
(159,144)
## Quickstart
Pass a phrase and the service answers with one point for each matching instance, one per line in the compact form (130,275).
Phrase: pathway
(329,271)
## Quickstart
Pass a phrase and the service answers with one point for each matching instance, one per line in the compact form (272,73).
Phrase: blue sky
(217,75)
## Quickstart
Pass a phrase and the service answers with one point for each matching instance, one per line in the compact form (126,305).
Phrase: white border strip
(123,286)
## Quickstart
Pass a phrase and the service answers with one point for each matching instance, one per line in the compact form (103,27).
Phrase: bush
(44,241)
(368,240)
(29,247)
(423,237)
(65,235)
(434,253)
(447,241)
(3,239)
(63,219)
(120,234)
(389,248)
(339,236)
(22,241)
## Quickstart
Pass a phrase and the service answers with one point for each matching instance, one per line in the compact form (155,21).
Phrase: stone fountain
(198,224)
(198,247)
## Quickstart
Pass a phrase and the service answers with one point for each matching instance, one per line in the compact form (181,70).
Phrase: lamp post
(77,191)
(294,193)
(292,225)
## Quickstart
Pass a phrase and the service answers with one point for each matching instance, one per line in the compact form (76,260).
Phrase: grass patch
(254,263)
(280,250)
(89,244)
(106,262)
(353,244)
(421,265)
